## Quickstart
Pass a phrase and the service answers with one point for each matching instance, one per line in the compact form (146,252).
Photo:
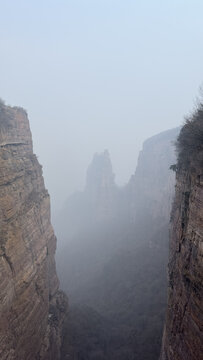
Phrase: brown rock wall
(183,337)
(28,280)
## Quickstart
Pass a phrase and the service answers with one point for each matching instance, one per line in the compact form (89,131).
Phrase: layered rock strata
(32,308)
(183,336)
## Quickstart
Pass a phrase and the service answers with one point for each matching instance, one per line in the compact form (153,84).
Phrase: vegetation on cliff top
(190,140)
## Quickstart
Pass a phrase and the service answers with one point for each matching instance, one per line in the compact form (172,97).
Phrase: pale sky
(98,74)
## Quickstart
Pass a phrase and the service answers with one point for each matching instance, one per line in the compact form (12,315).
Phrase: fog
(112,256)
(97,75)
(115,79)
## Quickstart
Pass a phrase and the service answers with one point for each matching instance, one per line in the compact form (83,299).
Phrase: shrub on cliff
(190,140)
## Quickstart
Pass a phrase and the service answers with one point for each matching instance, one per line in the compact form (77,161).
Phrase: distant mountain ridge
(102,200)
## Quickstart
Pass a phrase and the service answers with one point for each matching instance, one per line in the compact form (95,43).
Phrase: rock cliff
(32,308)
(183,337)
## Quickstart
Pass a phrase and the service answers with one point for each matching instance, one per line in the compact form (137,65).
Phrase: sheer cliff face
(182,339)
(151,188)
(31,307)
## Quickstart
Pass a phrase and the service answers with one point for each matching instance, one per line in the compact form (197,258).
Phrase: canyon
(112,253)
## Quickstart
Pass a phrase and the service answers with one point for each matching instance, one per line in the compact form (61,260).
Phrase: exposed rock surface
(183,336)
(32,308)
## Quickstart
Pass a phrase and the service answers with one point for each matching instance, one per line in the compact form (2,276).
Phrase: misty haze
(101,180)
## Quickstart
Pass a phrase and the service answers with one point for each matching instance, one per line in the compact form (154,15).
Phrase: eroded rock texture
(183,336)
(31,307)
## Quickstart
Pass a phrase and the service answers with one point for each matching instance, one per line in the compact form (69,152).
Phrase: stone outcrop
(100,186)
(32,308)
(183,337)
(95,205)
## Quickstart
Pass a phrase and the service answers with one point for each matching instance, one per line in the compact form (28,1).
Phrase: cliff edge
(32,309)
(183,338)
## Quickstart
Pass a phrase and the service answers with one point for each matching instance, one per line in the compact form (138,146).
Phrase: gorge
(112,253)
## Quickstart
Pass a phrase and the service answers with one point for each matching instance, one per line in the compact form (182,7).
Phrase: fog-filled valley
(101,180)
(112,256)
(117,301)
